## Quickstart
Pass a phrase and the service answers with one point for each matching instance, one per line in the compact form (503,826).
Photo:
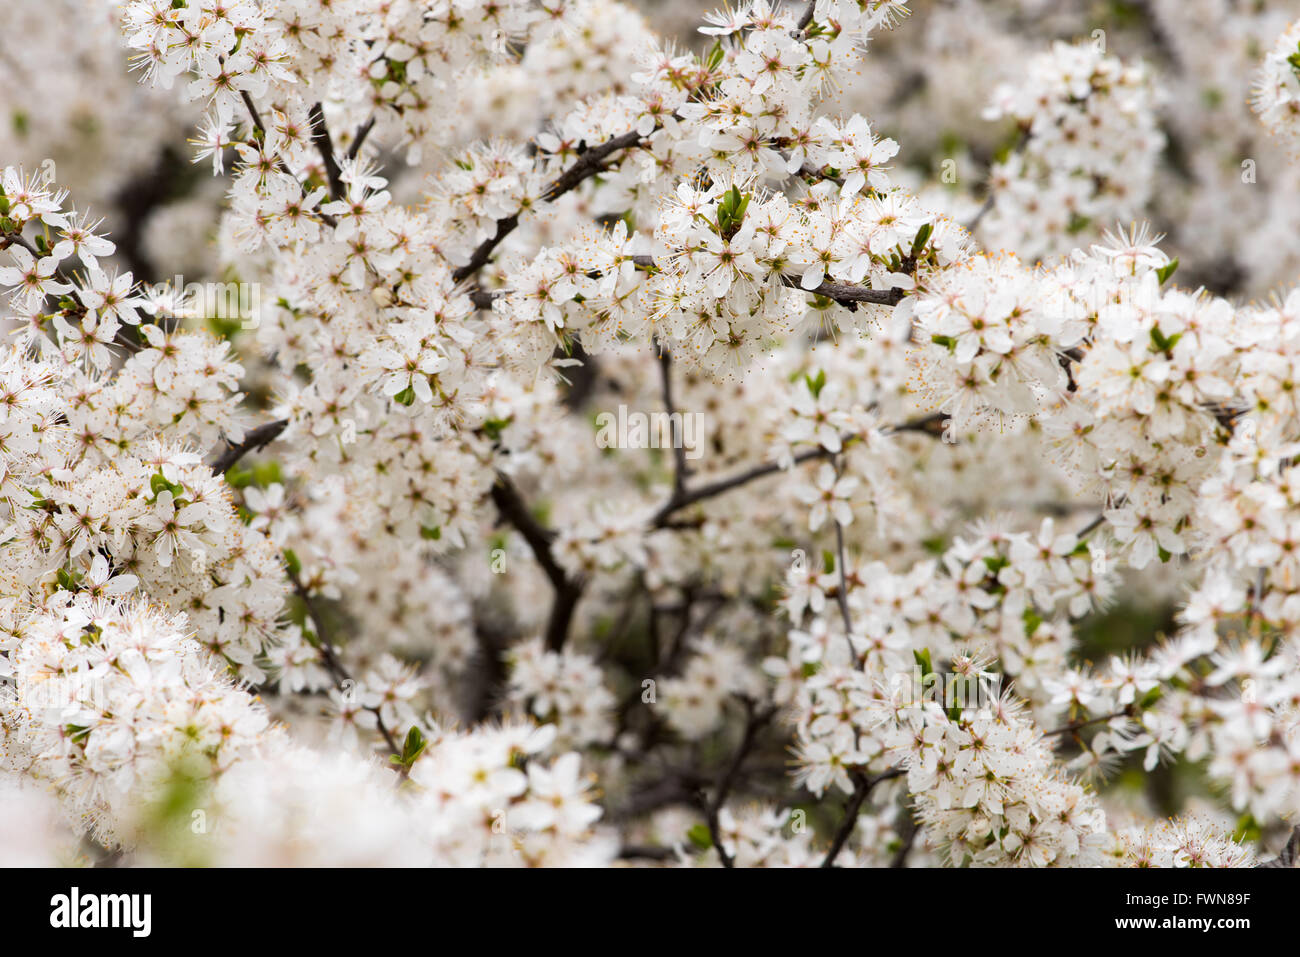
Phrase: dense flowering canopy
(572,447)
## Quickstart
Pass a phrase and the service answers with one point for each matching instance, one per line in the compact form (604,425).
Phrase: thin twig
(807,16)
(568,590)
(320,135)
(647,852)
(590,162)
(1076,725)
(256,117)
(843,597)
(662,518)
(254,439)
(849,294)
(1288,855)
(908,834)
(846,294)
(754,721)
(862,786)
(1091,527)
(362,132)
(680,469)
(992,198)
(252,112)
(984,210)
(332,663)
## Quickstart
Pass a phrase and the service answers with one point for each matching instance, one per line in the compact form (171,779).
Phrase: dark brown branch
(1091,527)
(849,294)
(568,590)
(1076,725)
(320,135)
(908,835)
(862,786)
(932,424)
(362,132)
(807,16)
(712,489)
(727,780)
(846,294)
(680,469)
(810,172)
(582,379)
(992,198)
(483,299)
(1288,855)
(844,588)
(983,211)
(647,852)
(332,663)
(252,112)
(253,440)
(925,424)
(256,117)
(590,162)
(675,790)
(511,505)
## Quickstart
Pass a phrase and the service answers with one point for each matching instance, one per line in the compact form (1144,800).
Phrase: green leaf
(266,474)
(816,383)
(828,561)
(954,713)
(291,560)
(922,237)
(1032,620)
(1167,270)
(731,211)
(1247,829)
(493,428)
(77,733)
(405,397)
(1163,344)
(923,659)
(430,534)
(158,484)
(223,328)
(700,837)
(935,546)
(413,746)
(714,56)
(995,563)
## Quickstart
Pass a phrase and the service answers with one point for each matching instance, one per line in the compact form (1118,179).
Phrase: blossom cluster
(1085,153)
